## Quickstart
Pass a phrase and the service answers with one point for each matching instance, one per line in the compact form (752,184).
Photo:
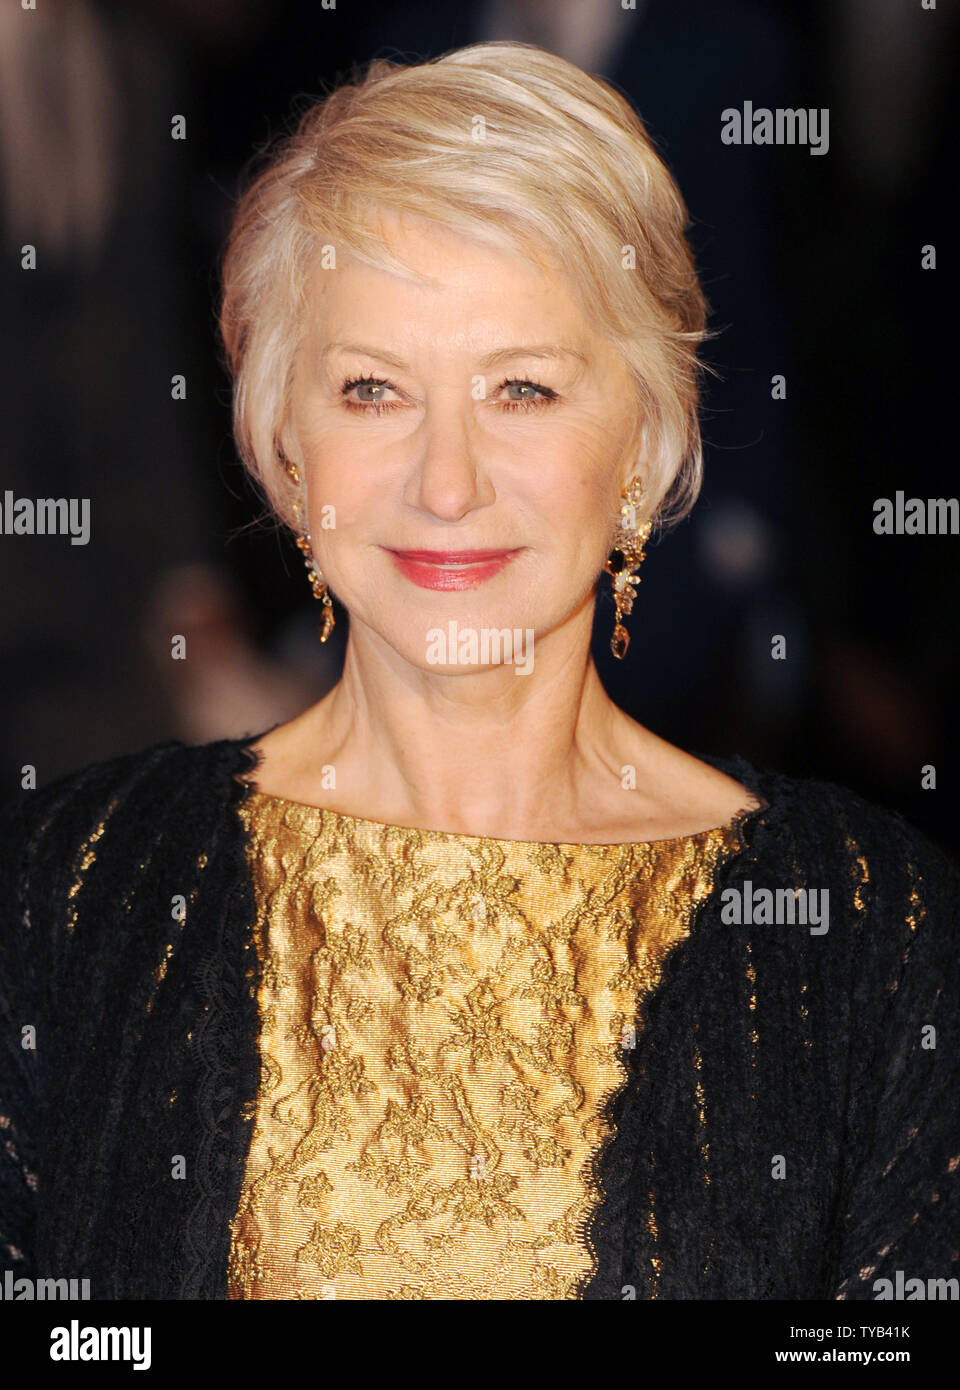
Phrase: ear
(290,476)
(635,458)
(288,443)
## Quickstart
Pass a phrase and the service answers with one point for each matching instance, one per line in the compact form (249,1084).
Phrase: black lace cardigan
(821,1070)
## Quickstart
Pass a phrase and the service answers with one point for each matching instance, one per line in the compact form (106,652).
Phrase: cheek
(349,503)
(335,476)
(582,468)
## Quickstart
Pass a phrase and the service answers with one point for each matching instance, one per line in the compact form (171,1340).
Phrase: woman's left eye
(543,394)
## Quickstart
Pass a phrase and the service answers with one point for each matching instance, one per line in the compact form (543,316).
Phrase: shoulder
(676,792)
(843,901)
(169,782)
(830,834)
(87,857)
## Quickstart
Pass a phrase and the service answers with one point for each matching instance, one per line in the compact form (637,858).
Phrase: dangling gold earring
(624,560)
(317,582)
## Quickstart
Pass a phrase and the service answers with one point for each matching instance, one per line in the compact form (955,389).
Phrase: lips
(452,557)
(451,569)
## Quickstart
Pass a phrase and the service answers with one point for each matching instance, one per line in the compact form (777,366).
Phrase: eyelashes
(544,397)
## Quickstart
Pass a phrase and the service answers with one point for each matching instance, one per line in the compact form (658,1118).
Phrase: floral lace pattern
(442,1019)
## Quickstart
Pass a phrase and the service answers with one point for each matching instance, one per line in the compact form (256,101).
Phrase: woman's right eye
(372,395)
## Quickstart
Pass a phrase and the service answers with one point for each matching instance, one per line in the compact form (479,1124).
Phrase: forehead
(451,278)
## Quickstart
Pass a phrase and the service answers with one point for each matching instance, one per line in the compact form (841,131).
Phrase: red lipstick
(450,569)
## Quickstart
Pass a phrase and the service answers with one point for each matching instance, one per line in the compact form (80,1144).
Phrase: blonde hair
(503,141)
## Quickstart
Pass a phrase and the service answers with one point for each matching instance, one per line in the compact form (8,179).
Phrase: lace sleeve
(900,1220)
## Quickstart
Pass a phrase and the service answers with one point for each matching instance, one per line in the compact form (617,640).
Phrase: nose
(448,479)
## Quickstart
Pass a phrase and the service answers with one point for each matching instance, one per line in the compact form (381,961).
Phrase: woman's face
(478,412)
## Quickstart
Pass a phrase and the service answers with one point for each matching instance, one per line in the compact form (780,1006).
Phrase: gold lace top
(442,1017)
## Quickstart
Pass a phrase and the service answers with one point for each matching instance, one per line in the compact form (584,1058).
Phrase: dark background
(812,265)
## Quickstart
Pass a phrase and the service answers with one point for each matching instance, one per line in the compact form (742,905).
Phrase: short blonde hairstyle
(502,141)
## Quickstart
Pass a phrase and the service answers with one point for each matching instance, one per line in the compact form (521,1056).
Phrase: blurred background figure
(226,683)
(811,266)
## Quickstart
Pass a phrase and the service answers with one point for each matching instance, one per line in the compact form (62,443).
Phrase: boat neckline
(733,826)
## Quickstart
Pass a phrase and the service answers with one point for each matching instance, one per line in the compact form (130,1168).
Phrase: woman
(463,984)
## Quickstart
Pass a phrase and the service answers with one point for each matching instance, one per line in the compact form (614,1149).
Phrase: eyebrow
(543,350)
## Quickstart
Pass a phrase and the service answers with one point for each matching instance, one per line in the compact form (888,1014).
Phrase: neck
(490,752)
